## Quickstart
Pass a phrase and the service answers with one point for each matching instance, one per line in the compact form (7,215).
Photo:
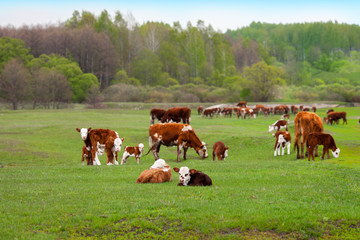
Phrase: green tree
(11,48)
(262,79)
(147,67)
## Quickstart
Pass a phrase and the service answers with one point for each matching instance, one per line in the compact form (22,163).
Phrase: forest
(93,59)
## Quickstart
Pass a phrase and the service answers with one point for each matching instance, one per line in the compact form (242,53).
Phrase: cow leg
(97,161)
(110,158)
(283,149)
(178,151)
(288,147)
(316,150)
(157,150)
(82,159)
(185,150)
(124,158)
(115,157)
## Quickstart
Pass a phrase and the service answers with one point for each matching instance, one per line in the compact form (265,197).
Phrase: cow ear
(176,169)
(123,139)
(89,129)
(227,148)
(192,171)
(77,129)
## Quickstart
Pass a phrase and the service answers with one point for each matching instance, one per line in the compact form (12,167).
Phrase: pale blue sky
(222,15)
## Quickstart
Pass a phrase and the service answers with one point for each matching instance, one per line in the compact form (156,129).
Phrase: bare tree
(14,82)
(94,97)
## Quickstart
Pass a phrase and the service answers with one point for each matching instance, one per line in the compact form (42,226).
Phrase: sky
(220,14)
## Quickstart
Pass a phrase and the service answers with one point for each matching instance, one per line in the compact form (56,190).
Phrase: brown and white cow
(336,116)
(285,116)
(85,154)
(211,112)
(112,143)
(317,138)
(283,139)
(220,150)
(247,112)
(192,177)
(132,152)
(156,113)
(278,125)
(159,174)
(177,114)
(226,112)
(305,123)
(175,134)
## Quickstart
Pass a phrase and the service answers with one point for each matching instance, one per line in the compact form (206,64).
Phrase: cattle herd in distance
(171,132)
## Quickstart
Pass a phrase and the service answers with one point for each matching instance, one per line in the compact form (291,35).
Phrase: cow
(160,174)
(283,139)
(177,114)
(336,116)
(220,150)
(175,134)
(227,111)
(260,107)
(241,104)
(329,111)
(132,152)
(156,113)
(317,138)
(87,155)
(112,143)
(211,112)
(314,109)
(279,109)
(267,111)
(305,123)
(285,116)
(200,109)
(278,125)
(192,177)
(237,111)
(247,111)
(84,133)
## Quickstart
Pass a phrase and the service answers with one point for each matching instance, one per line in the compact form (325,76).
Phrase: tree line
(108,54)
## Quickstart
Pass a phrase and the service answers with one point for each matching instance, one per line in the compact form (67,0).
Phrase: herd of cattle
(170,132)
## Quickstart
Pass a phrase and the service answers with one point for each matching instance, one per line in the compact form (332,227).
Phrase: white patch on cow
(109,164)
(184,175)
(226,154)
(124,157)
(166,169)
(271,128)
(117,135)
(141,148)
(156,135)
(97,161)
(186,128)
(84,133)
(336,153)
(100,148)
(88,148)
(158,164)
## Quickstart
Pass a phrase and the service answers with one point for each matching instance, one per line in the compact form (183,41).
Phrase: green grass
(45,193)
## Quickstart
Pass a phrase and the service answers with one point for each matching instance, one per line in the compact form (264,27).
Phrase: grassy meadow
(45,192)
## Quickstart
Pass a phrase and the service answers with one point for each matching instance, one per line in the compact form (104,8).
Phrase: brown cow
(112,143)
(84,133)
(175,134)
(315,139)
(87,155)
(200,109)
(336,116)
(156,113)
(242,104)
(177,114)
(283,139)
(227,111)
(132,152)
(220,150)
(313,109)
(305,123)
(192,177)
(159,174)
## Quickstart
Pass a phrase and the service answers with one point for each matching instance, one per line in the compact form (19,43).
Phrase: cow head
(100,148)
(271,128)
(184,174)
(336,153)
(141,147)
(202,151)
(117,142)
(226,152)
(83,132)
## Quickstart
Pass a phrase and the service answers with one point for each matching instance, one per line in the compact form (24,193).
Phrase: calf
(132,152)
(336,116)
(316,138)
(200,109)
(283,139)
(278,125)
(160,174)
(87,155)
(285,116)
(220,150)
(192,177)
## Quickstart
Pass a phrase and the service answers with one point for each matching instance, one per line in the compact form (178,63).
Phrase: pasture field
(45,193)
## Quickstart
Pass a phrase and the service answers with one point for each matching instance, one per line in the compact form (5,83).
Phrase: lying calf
(220,150)
(132,152)
(283,139)
(192,177)
(158,174)
(315,139)
(278,125)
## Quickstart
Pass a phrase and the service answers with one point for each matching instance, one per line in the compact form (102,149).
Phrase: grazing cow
(112,143)
(211,112)
(315,139)
(175,134)
(283,139)
(336,116)
(306,109)
(132,152)
(247,112)
(220,150)
(278,125)
(314,109)
(267,111)
(192,177)
(329,111)
(242,104)
(285,116)
(87,155)
(260,107)
(227,111)
(325,120)
(160,174)
(279,110)
(305,123)
(177,114)
(156,113)
(200,109)
(301,107)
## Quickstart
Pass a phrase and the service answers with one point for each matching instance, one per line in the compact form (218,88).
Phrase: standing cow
(175,134)
(177,114)
(305,123)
